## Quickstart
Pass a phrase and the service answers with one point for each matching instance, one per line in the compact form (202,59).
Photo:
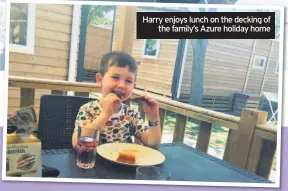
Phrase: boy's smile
(118,80)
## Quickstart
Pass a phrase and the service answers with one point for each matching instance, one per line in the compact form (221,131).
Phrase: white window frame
(277,66)
(29,48)
(262,57)
(157,50)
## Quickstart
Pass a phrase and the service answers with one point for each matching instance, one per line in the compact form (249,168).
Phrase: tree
(97,13)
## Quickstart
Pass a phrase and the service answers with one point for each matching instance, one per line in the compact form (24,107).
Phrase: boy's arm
(152,137)
(149,136)
(85,119)
(98,123)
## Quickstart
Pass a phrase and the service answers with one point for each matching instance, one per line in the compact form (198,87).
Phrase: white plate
(146,156)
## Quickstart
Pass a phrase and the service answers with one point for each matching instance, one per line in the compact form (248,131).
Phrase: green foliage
(96,15)
(18,11)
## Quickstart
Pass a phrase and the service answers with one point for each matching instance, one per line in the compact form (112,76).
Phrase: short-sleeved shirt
(120,126)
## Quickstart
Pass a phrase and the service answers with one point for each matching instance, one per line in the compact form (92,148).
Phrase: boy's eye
(115,77)
(129,81)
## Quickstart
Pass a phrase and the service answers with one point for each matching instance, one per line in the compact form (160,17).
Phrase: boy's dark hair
(117,58)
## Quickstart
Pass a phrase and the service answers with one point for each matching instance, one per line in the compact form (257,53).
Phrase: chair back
(57,120)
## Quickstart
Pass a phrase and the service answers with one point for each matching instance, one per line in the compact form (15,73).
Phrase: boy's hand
(150,106)
(10,115)
(110,104)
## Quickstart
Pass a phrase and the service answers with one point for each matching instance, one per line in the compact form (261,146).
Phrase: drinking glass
(152,173)
(88,139)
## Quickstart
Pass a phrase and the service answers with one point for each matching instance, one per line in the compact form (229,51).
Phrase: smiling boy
(117,122)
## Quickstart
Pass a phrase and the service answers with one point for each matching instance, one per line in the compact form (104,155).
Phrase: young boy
(117,122)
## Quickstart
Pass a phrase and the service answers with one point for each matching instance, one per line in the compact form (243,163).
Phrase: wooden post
(125,34)
(27,97)
(180,127)
(231,139)
(204,135)
(266,159)
(255,154)
(262,153)
(241,148)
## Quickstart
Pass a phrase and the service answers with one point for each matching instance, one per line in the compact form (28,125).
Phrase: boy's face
(118,80)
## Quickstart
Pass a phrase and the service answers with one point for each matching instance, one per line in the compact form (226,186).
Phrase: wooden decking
(251,144)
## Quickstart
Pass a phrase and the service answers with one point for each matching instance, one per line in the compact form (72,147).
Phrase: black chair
(57,120)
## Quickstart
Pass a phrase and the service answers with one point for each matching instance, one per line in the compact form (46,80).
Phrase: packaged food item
(23,153)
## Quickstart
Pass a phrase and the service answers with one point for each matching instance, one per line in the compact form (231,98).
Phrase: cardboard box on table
(23,152)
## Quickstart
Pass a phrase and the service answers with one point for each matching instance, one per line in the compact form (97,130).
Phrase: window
(151,48)
(22,28)
(259,62)
(277,68)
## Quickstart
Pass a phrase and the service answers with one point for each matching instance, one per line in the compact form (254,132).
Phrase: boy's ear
(99,79)
(134,85)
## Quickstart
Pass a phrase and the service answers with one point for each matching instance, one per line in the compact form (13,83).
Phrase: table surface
(185,164)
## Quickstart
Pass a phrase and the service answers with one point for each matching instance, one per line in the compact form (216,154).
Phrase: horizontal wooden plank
(220,83)
(37,75)
(245,55)
(97,51)
(217,101)
(46,34)
(266,135)
(220,97)
(52,26)
(200,116)
(98,34)
(156,64)
(267,127)
(13,103)
(55,17)
(38,60)
(219,52)
(157,78)
(52,84)
(153,72)
(229,46)
(52,53)
(244,43)
(48,43)
(153,80)
(260,52)
(229,58)
(60,9)
(211,64)
(217,105)
(159,65)
(31,68)
(263,44)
